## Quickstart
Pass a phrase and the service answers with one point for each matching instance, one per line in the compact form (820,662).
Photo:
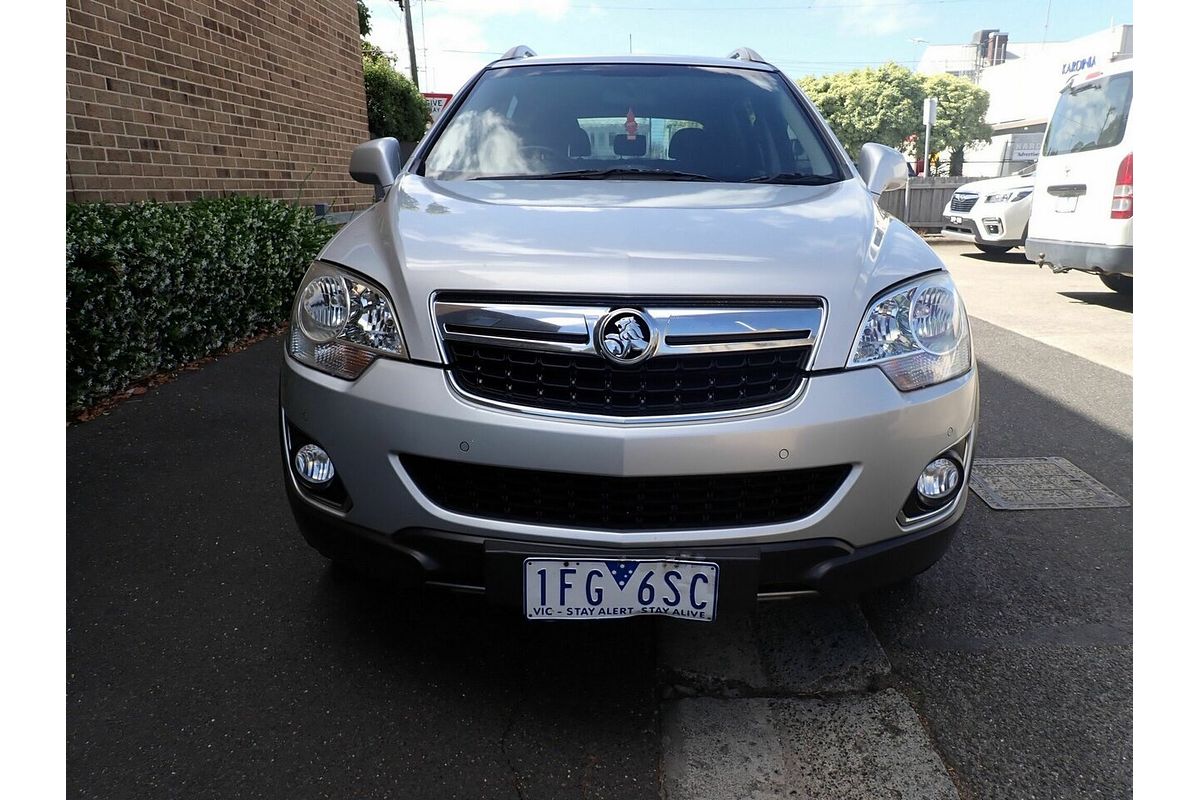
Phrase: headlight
(1011,196)
(917,334)
(323,308)
(341,323)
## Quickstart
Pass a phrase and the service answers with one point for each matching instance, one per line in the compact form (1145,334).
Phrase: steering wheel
(542,156)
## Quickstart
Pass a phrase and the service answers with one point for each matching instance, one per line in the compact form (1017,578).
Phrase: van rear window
(1091,116)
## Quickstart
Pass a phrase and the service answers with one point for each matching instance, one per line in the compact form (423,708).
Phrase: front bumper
(492,566)
(964,230)
(999,224)
(855,417)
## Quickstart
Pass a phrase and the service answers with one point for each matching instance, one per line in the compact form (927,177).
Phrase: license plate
(1066,205)
(602,589)
(956,220)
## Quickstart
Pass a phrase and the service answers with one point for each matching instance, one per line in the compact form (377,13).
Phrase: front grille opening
(963,202)
(603,502)
(661,385)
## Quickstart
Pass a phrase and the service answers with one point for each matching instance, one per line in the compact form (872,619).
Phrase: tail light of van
(1122,204)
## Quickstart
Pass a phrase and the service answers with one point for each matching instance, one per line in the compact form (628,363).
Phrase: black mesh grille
(663,385)
(963,202)
(638,503)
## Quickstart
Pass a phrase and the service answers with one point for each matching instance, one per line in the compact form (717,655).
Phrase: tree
(364,19)
(880,104)
(962,107)
(394,105)
(884,105)
(375,51)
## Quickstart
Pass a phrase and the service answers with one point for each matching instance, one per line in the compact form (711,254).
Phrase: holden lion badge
(626,336)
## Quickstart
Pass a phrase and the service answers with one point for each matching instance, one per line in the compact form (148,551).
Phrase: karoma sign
(1072,67)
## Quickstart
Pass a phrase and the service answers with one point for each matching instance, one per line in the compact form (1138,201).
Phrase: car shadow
(1010,257)
(1117,302)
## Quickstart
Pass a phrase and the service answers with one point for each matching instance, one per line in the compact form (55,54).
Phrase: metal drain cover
(1013,484)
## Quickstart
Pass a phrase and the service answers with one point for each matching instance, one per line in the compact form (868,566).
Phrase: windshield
(1091,116)
(631,121)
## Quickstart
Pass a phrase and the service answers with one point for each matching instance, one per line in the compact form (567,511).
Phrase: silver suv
(629,336)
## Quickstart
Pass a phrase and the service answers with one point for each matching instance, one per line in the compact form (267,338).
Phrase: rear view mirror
(800,161)
(624,146)
(881,168)
(376,163)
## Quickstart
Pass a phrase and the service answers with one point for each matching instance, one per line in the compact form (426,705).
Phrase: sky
(454,38)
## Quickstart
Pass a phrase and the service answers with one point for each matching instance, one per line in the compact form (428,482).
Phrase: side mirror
(882,168)
(376,163)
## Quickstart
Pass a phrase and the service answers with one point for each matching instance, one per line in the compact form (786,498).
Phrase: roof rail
(520,51)
(746,54)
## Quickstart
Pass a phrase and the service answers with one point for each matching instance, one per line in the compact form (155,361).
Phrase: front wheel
(1121,284)
(993,249)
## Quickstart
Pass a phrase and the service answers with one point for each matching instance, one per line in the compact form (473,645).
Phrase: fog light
(938,480)
(313,464)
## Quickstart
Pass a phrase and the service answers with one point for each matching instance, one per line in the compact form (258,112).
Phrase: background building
(174,100)
(1023,81)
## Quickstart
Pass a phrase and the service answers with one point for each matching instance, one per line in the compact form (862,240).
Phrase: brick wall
(178,99)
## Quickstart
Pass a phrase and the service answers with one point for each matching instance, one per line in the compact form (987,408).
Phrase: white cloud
(875,17)
(547,9)
(450,38)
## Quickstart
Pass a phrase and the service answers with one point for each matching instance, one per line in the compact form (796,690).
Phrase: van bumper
(1081,255)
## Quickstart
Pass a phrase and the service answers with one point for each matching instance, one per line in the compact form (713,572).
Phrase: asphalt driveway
(212,654)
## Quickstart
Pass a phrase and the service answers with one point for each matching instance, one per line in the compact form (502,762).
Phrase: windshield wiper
(794,179)
(601,174)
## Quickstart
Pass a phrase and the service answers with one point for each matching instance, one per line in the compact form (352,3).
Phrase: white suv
(992,214)
(1083,197)
(629,336)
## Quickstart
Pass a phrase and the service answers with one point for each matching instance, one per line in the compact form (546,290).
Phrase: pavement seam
(678,685)
(738,690)
(508,728)
(964,791)
(585,781)
(660,761)
(894,680)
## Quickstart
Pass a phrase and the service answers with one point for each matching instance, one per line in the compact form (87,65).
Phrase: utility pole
(929,112)
(917,41)
(412,46)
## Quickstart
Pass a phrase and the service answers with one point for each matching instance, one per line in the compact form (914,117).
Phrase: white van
(1082,215)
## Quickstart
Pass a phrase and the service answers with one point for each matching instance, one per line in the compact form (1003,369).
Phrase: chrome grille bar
(707,358)
(572,329)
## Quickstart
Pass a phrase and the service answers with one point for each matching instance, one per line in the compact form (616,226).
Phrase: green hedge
(395,106)
(152,286)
